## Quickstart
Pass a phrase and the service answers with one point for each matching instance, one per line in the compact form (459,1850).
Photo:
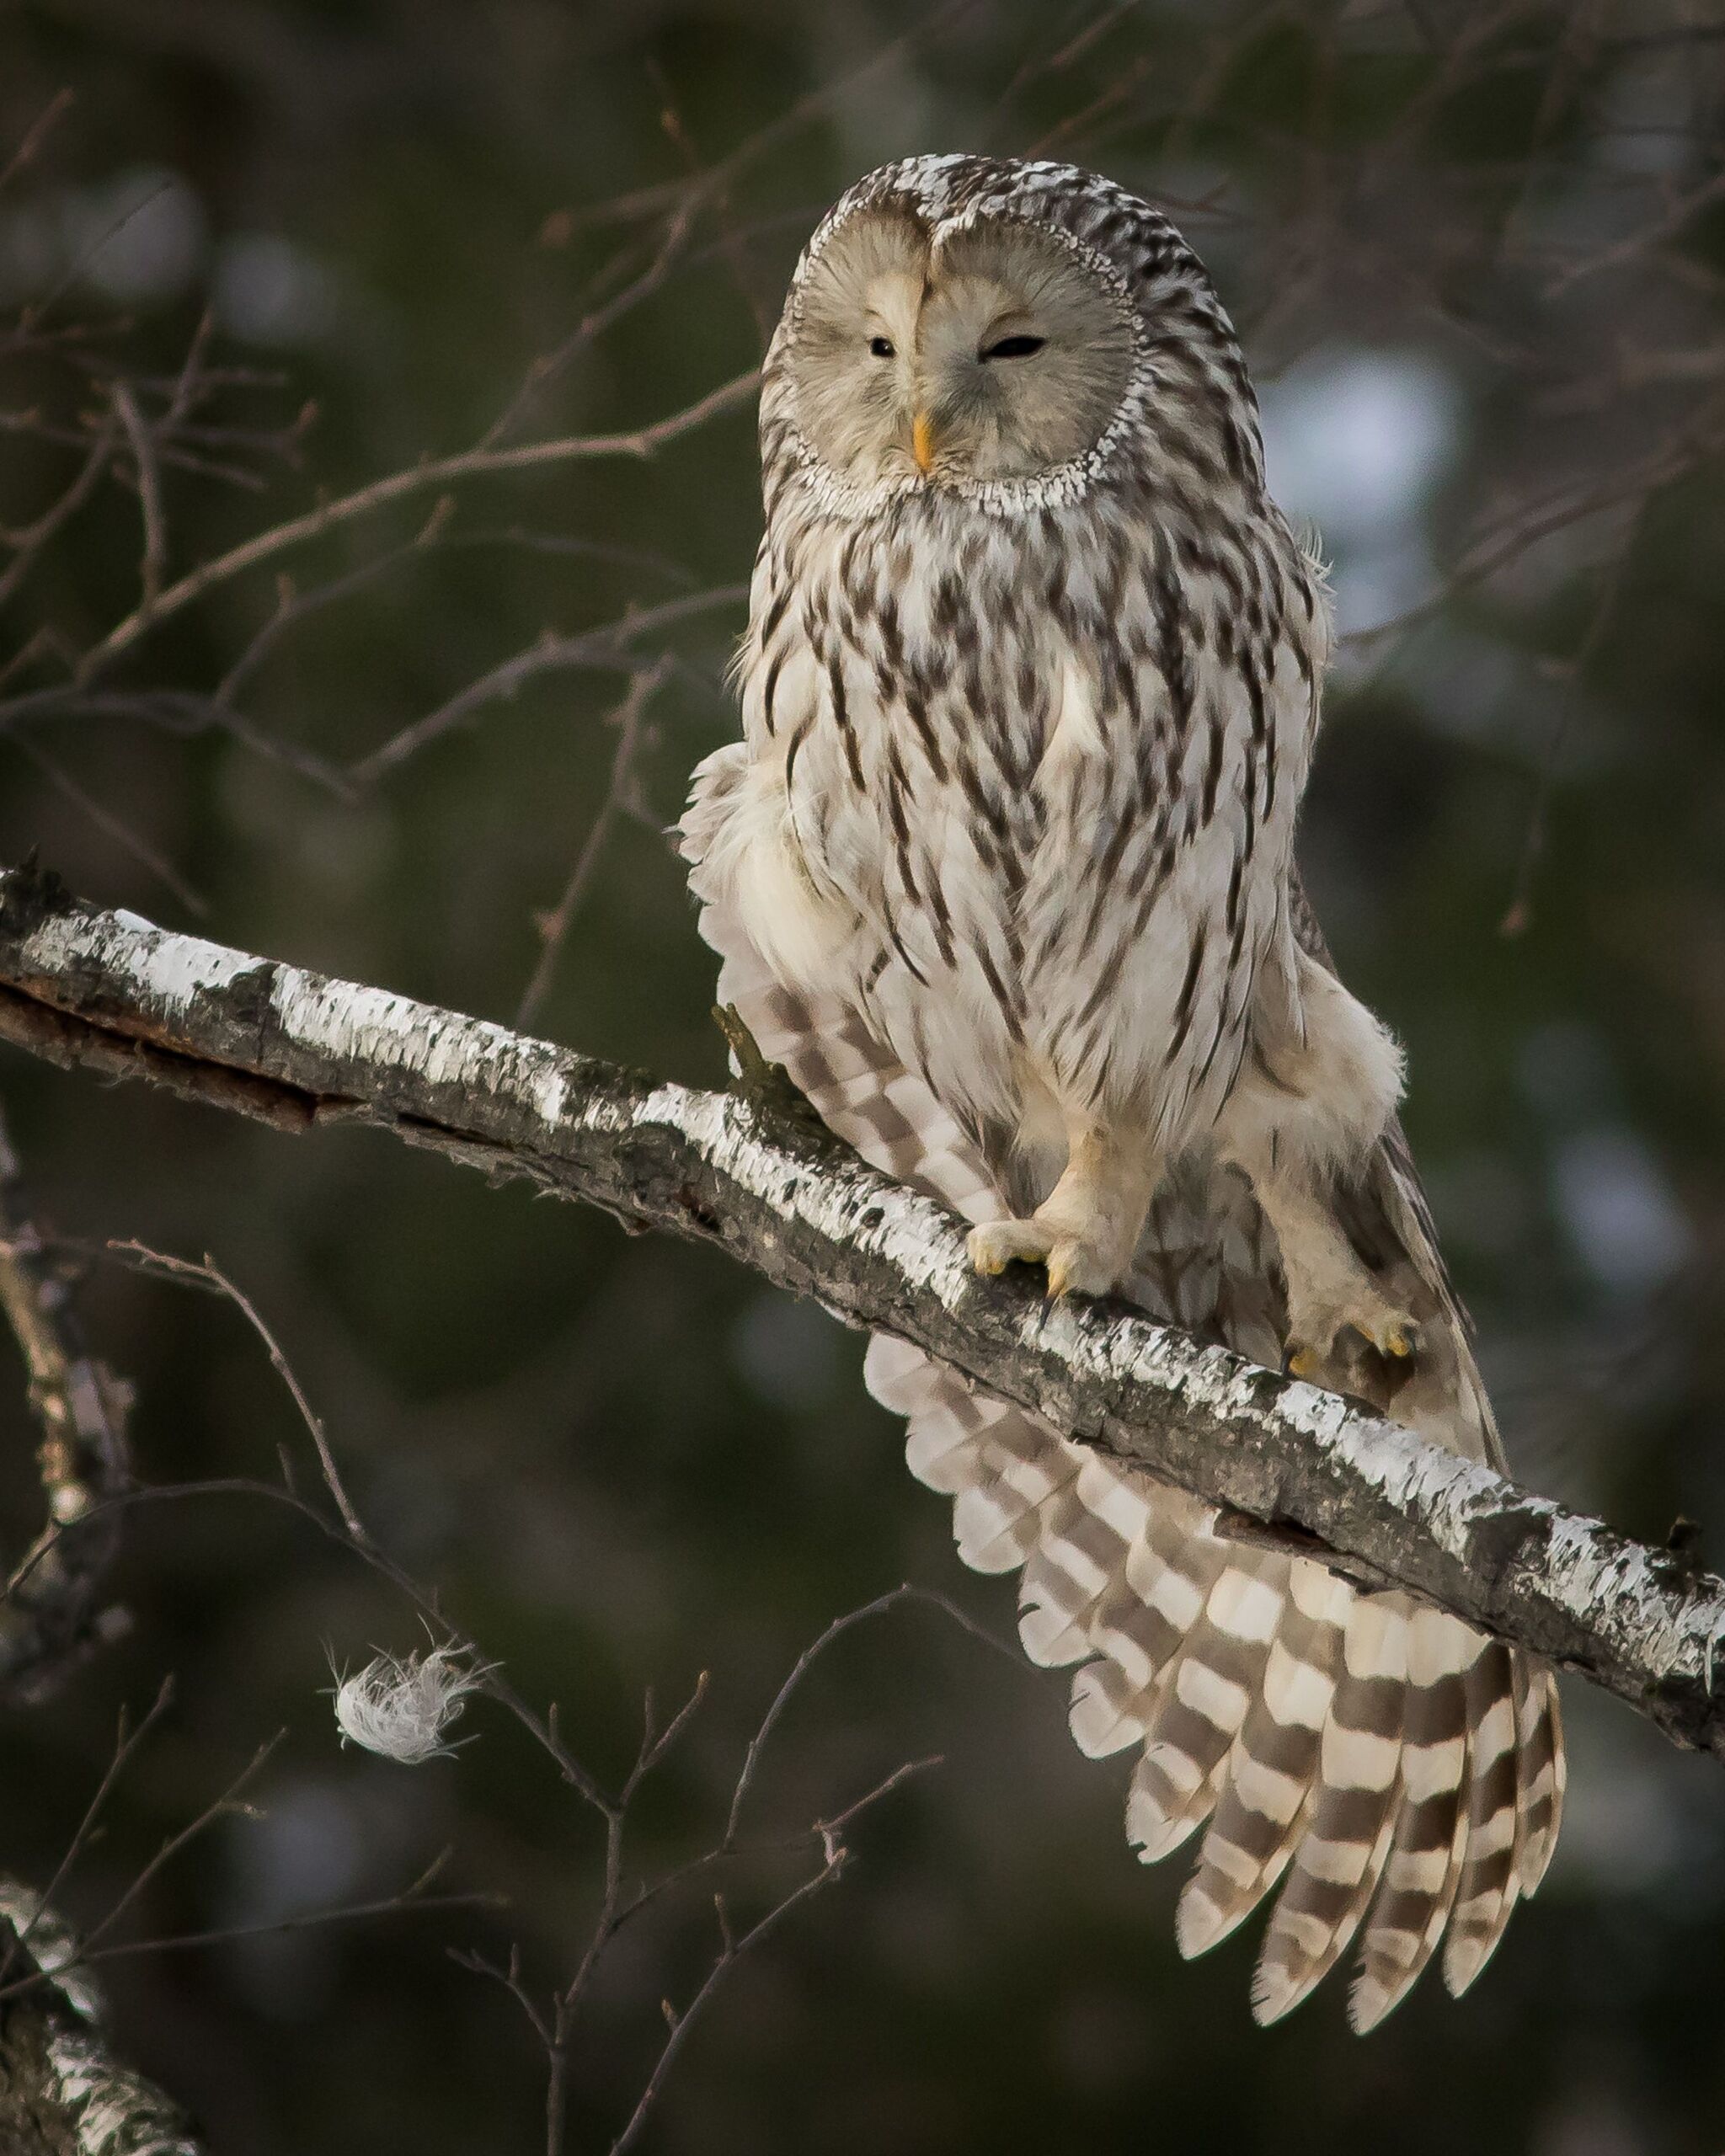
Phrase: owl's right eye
(881,347)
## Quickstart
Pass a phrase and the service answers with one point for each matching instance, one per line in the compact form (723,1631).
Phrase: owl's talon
(1078,1268)
(1314,1344)
(997,1244)
(1395,1338)
(1075,1266)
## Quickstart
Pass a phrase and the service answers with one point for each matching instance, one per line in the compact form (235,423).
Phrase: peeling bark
(757,1174)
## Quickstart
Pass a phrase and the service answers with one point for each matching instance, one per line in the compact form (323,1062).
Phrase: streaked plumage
(1002,872)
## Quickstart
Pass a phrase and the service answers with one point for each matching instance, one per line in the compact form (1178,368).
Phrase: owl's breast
(1038,809)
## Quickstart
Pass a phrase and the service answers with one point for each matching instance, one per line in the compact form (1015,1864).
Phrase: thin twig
(210,1275)
(606,648)
(127,1740)
(438,472)
(154,560)
(110,824)
(629,720)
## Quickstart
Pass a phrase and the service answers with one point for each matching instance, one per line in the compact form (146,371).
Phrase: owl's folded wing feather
(1383,1763)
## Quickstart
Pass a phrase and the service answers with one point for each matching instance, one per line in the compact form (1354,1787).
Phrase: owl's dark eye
(1014,348)
(881,347)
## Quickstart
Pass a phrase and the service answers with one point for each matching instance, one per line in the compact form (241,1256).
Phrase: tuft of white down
(401,1705)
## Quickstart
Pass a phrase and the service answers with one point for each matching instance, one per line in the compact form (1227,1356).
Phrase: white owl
(1002,872)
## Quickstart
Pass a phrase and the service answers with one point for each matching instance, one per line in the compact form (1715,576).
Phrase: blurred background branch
(52,1612)
(60,2082)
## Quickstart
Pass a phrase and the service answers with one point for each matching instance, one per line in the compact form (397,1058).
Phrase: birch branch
(62,2092)
(755,1171)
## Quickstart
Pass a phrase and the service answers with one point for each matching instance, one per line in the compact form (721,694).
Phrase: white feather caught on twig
(401,1705)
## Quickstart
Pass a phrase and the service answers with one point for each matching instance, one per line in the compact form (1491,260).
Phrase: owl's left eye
(1013,348)
(881,347)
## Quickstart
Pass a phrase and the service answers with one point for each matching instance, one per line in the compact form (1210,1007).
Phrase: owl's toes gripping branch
(1075,1265)
(1316,1330)
(1078,1268)
(1086,1228)
(997,1244)
(1337,1306)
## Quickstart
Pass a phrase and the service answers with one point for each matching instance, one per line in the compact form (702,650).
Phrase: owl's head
(964,322)
(993,352)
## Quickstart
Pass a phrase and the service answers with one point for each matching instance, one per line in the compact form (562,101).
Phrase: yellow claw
(1000,1244)
(1397,1342)
(1301,1362)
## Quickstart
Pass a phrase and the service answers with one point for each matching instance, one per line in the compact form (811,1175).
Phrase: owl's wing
(1372,1755)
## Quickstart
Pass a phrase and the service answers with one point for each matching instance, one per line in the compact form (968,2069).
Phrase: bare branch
(111,825)
(28,544)
(630,720)
(606,646)
(386,1905)
(27,150)
(112,994)
(397,486)
(138,432)
(550,365)
(217,1808)
(731,1951)
(345,1527)
(799,1670)
(209,1274)
(125,1744)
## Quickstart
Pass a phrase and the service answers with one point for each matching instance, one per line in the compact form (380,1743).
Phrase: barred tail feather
(1350,1824)
(1424,1867)
(1263,1811)
(1490,1883)
(1543,1776)
(1069,1577)
(1201,1707)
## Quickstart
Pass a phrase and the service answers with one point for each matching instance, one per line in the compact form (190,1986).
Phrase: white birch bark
(62,2091)
(753,1170)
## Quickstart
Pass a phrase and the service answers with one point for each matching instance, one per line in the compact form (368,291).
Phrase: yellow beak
(922,442)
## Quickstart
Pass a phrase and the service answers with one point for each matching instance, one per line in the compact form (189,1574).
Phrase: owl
(1002,872)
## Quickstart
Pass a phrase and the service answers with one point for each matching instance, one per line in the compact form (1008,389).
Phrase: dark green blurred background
(1475,253)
